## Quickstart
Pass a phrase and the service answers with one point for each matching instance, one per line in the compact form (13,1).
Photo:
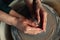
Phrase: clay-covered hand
(27,26)
(39,12)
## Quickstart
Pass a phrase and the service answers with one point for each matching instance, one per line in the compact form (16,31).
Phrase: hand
(27,26)
(23,24)
(19,22)
(40,12)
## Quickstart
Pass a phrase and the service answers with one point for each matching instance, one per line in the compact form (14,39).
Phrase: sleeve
(4,6)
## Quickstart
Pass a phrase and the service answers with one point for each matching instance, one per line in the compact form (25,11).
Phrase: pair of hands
(28,26)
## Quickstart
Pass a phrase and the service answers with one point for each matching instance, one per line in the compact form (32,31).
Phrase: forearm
(10,18)
(7,18)
(15,14)
(7,15)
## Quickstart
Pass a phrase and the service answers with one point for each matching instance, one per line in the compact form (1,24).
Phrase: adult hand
(23,24)
(19,21)
(27,26)
(40,12)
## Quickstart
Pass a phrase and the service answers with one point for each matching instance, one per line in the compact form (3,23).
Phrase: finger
(38,15)
(30,30)
(37,10)
(32,24)
(44,20)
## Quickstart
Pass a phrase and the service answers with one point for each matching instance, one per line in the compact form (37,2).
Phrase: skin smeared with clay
(39,13)
(23,24)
